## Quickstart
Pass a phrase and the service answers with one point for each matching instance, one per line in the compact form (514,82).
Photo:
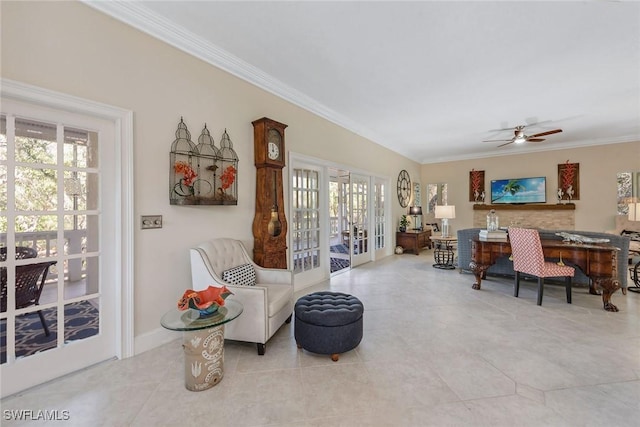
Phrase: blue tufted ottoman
(328,323)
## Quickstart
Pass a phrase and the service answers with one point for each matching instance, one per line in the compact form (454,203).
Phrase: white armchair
(267,305)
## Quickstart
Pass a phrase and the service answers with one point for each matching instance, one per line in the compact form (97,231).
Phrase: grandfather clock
(269,222)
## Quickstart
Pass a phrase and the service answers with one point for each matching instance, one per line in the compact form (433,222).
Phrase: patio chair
(30,280)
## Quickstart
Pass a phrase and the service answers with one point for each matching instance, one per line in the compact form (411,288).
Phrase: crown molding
(136,15)
(141,18)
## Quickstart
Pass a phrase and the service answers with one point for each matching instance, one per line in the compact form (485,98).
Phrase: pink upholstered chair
(528,258)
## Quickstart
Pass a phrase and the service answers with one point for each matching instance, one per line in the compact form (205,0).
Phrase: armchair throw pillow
(242,275)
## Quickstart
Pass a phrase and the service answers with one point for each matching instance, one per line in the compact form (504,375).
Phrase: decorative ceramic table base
(202,342)
(203,358)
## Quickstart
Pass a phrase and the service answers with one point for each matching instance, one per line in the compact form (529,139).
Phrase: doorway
(338,218)
(63,195)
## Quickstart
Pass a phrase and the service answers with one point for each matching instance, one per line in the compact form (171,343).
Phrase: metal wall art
(476,186)
(202,174)
(568,181)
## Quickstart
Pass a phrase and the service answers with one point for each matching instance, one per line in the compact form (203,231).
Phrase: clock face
(404,188)
(273,151)
(273,146)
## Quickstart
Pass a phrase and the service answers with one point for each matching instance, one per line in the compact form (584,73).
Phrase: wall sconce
(445,213)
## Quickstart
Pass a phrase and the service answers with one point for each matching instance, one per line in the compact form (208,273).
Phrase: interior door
(307,238)
(380,217)
(360,233)
(57,200)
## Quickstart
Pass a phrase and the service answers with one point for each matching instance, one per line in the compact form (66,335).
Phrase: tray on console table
(599,261)
(413,240)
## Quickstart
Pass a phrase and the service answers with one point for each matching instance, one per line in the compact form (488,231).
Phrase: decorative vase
(492,221)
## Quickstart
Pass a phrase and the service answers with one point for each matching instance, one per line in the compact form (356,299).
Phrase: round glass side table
(203,342)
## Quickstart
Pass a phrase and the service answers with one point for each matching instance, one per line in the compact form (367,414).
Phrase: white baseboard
(153,339)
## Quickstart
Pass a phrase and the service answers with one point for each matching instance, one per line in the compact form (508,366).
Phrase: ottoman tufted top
(328,309)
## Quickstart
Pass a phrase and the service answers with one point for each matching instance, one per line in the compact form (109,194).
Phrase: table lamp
(445,213)
(415,211)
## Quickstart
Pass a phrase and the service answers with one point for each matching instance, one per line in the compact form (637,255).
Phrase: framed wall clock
(404,188)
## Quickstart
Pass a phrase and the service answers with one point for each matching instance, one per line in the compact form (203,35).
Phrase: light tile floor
(434,353)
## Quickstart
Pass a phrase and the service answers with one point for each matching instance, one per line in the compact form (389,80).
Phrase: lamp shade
(415,210)
(446,211)
(634,211)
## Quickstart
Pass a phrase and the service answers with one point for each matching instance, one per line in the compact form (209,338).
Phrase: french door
(57,205)
(380,217)
(307,241)
(360,233)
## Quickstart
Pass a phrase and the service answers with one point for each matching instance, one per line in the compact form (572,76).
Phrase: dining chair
(528,258)
(30,279)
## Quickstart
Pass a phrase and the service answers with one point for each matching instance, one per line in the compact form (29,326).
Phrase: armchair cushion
(279,297)
(242,275)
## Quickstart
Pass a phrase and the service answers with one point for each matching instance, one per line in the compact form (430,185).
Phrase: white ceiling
(427,79)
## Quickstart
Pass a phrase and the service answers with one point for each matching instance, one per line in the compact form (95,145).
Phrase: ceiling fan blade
(507,143)
(546,133)
(498,140)
(535,123)
(535,139)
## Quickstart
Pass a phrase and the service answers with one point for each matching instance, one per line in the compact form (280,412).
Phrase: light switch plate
(150,221)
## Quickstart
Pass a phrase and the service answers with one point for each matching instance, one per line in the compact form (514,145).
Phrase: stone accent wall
(536,217)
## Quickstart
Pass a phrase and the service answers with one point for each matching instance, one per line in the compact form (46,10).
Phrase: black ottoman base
(328,323)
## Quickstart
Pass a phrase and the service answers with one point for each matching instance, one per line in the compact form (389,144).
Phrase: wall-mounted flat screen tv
(519,190)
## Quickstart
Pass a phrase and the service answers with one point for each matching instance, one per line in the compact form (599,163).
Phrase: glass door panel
(380,229)
(306,250)
(360,232)
(306,227)
(50,240)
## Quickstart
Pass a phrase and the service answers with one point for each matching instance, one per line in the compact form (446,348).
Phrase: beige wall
(69,47)
(596,209)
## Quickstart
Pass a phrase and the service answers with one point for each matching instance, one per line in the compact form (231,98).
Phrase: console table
(413,240)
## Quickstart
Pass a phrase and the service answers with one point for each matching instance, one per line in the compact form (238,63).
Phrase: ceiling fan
(520,137)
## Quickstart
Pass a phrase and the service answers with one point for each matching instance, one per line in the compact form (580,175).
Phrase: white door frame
(123,124)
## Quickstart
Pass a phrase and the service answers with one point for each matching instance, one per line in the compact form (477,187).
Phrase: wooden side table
(413,240)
